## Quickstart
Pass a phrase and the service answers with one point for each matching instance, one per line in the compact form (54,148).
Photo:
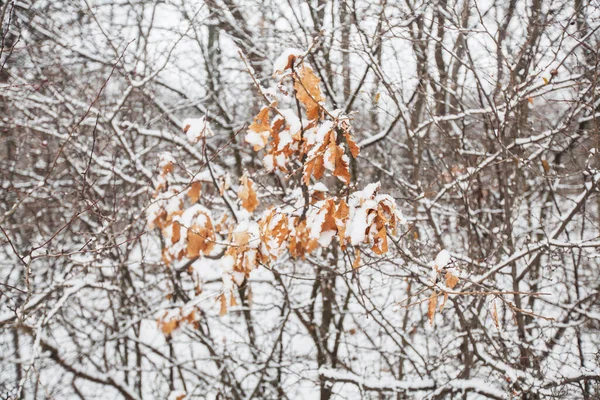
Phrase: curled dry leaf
(444,301)
(495,315)
(354,149)
(356,263)
(432,307)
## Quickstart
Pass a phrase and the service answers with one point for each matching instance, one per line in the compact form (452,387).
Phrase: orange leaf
(176,232)
(260,130)
(308,91)
(495,316)
(194,191)
(451,280)
(356,263)
(341,216)
(247,194)
(431,308)
(546,166)
(201,239)
(223,309)
(444,301)
(336,157)
(232,301)
(167,327)
(354,149)
(168,167)
(381,244)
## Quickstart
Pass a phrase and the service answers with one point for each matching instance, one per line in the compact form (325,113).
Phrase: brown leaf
(223,301)
(356,263)
(261,127)
(167,327)
(335,155)
(247,194)
(176,232)
(308,91)
(168,167)
(432,305)
(495,316)
(232,301)
(341,216)
(200,239)
(290,62)
(451,280)
(314,167)
(444,301)
(354,149)
(546,166)
(194,191)
(381,244)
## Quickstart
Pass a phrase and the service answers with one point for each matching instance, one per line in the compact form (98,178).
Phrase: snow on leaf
(260,130)
(337,162)
(200,239)
(442,259)
(196,129)
(285,60)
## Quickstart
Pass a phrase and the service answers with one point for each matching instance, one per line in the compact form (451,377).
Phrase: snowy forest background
(479,118)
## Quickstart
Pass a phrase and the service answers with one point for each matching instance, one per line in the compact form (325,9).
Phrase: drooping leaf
(194,191)
(432,307)
(308,91)
(451,280)
(223,309)
(356,263)
(260,130)
(495,316)
(247,194)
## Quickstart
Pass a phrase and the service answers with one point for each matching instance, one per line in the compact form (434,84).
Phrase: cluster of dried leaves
(312,144)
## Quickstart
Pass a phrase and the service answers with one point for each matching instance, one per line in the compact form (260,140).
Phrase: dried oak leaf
(247,194)
(200,239)
(338,160)
(308,91)
(354,149)
(381,245)
(314,167)
(167,327)
(431,308)
(176,232)
(495,316)
(356,263)
(260,130)
(451,280)
(194,191)
(223,309)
